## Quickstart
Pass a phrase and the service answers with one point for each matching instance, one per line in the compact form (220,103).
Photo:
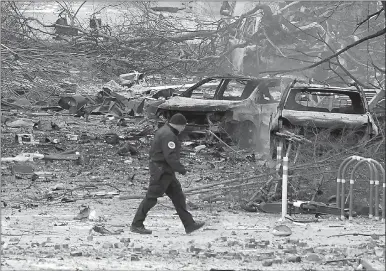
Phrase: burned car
(237,109)
(308,109)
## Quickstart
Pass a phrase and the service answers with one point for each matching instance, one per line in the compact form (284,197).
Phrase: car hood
(192,104)
(325,119)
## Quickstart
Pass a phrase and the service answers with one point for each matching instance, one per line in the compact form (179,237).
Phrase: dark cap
(178,119)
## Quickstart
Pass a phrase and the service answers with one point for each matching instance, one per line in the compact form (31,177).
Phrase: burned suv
(308,109)
(237,109)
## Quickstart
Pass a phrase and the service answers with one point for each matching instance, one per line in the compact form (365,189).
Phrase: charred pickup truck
(238,109)
(308,109)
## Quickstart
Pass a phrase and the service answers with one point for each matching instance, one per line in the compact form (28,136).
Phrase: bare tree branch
(378,68)
(271,42)
(287,6)
(377,34)
(368,18)
(81,5)
(349,74)
(337,74)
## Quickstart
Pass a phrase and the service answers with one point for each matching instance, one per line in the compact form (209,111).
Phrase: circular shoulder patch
(171,145)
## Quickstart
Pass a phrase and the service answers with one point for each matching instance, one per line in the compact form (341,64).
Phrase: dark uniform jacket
(165,154)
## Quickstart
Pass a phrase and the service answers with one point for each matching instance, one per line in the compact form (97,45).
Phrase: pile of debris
(115,100)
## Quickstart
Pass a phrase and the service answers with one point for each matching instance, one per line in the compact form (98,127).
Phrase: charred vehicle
(309,109)
(238,109)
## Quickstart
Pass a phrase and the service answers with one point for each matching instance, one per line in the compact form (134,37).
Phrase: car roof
(231,77)
(240,77)
(324,87)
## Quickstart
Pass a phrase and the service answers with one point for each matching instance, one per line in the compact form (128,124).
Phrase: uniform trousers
(169,185)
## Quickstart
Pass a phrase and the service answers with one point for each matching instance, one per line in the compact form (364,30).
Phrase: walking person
(164,163)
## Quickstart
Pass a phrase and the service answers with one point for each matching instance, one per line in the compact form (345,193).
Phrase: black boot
(140,216)
(140,230)
(194,226)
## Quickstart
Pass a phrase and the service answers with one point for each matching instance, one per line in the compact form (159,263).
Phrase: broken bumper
(324,120)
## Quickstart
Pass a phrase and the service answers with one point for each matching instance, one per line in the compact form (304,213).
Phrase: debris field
(76,214)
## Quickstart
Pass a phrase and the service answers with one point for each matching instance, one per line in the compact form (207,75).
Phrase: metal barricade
(374,169)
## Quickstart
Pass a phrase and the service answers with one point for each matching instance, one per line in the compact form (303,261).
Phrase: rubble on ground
(76,174)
